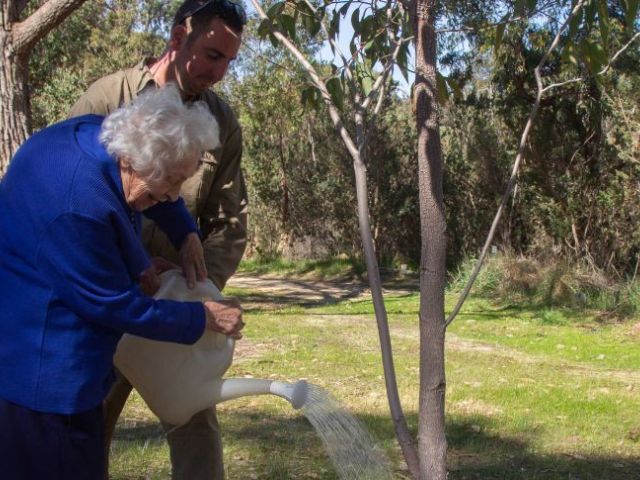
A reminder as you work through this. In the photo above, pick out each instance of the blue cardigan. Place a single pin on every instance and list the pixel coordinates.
(70, 257)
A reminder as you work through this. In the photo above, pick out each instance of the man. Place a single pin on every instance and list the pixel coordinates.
(205, 38)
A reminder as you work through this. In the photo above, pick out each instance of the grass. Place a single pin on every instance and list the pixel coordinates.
(532, 392)
(330, 268)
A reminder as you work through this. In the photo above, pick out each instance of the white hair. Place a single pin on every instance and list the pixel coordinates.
(158, 131)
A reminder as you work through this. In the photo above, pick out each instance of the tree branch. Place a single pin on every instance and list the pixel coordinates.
(51, 14)
(332, 42)
(399, 421)
(516, 165)
(601, 72)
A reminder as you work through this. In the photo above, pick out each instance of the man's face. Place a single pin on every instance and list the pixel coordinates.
(203, 61)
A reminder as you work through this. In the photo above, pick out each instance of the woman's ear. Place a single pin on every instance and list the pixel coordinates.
(178, 37)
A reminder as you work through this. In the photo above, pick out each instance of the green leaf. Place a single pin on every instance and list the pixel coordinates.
(274, 41)
(402, 61)
(594, 55)
(334, 26)
(311, 24)
(443, 91)
(334, 86)
(343, 10)
(355, 20)
(574, 24)
(264, 28)
(309, 97)
(275, 10)
(288, 25)
(518, 9)
(500, 33)
(603, 17)
(631, 12)
(569, 54)
(353, 48)
(366, 82)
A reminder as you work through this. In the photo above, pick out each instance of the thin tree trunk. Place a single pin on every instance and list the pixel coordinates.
(403, 434)
(432, 444)
(407, 444)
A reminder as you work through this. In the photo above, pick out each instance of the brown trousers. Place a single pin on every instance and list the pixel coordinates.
(195, 447)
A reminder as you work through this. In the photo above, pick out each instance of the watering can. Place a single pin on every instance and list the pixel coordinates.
(177, 381)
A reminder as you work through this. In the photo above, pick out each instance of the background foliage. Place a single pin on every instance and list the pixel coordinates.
(578, 191)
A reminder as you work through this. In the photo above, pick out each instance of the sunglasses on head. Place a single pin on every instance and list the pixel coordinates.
(224, 5)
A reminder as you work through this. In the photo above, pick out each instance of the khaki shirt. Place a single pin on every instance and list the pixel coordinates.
(216, 195)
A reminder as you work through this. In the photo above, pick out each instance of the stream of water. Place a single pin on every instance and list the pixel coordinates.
(351, 448)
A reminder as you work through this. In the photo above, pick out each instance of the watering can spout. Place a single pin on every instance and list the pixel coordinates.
(294, 393)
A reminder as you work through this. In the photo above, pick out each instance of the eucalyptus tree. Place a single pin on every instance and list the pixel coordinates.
(380, 42)
(22, 26)
(574, 45)
(380, 30)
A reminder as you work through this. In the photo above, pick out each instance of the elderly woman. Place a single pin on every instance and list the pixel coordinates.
(71, 264)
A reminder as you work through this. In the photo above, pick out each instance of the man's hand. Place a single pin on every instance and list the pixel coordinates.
(225, 316)
(150, 278)
(192, 260)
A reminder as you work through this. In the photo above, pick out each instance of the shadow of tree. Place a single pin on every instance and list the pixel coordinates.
(287, 447)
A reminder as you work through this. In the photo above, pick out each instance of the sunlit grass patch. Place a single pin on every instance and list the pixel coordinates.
(532, 393)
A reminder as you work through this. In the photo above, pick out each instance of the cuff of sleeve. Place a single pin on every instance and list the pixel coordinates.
(181, 230)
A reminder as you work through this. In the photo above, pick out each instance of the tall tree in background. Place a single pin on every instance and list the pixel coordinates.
(18, 36)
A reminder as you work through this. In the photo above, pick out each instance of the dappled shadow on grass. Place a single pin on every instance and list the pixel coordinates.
(307, 298)
(266, 293)
(282, 447)
(476, 454)
(473, 453)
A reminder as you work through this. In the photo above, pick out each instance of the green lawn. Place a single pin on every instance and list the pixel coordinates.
(531, 394)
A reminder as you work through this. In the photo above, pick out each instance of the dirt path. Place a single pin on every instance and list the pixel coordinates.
(274, 292)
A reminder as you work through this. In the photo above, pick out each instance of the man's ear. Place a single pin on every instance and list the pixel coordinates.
(178, 37)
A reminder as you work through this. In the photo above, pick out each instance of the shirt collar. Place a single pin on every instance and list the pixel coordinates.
(144, 79)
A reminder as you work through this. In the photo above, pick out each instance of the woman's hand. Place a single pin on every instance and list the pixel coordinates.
(192, 259)
(225, 316)
(150, 278)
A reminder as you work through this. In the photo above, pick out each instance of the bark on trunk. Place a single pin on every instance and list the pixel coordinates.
(17, 39)
(432, 445)
(14, 106)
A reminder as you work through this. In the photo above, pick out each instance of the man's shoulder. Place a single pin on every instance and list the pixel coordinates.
(114, 80)
(108, 92)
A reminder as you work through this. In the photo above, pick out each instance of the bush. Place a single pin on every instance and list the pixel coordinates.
(525, 280)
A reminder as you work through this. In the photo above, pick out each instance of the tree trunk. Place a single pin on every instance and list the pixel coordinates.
(17, 39)
(432, 444)
(403, 435)
(14, 108)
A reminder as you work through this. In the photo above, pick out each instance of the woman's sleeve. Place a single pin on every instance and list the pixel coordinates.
(174, 219)
(90, 269)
